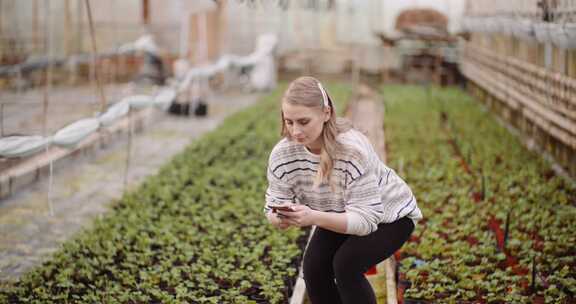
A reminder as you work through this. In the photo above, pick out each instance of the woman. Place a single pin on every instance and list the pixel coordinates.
(330, 176)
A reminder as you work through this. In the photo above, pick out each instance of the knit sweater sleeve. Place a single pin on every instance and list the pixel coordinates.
(364, 209)
(278, 191)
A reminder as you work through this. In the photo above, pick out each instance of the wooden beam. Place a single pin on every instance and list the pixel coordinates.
(67, 28)
(543, 87)
(146, 12)
(97, 68)
(523, 104)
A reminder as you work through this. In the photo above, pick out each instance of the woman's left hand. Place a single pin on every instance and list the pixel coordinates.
(302, 216)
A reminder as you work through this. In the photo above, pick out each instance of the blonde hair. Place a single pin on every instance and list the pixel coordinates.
(307, 91)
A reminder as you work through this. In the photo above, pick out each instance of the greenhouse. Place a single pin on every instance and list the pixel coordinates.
(318, 151)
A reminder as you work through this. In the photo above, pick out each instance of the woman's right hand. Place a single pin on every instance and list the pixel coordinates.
(277, 221)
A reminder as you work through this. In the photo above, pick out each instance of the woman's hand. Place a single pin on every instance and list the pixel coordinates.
(277, 221)
(302, 216)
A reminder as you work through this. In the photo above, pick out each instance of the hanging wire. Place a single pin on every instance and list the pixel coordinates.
(47, 91)
(128, 148)
(128, 151)
(115, 39)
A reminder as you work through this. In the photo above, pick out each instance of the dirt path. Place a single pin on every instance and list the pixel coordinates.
(367, 114)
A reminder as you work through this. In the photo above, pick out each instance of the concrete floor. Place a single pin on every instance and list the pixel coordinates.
(84, 187)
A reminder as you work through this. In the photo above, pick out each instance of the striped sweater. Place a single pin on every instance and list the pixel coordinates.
(367, 190)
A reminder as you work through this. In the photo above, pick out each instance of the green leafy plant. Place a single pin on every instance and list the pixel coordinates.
(466, 169)
(193, 233)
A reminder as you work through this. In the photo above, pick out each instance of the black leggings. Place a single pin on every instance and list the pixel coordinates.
(331, 255)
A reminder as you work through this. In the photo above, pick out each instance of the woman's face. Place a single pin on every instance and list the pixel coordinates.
(305, 123)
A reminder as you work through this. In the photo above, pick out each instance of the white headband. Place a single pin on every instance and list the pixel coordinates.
(324, 96)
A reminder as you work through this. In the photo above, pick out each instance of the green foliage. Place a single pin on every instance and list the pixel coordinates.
(193, 233)
(461, 260)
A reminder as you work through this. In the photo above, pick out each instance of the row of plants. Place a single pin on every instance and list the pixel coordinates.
(532, 210)
(496, 222)
(193, 233)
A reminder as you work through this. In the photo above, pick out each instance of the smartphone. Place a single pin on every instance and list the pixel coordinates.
(277, 208)
(281, 208)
